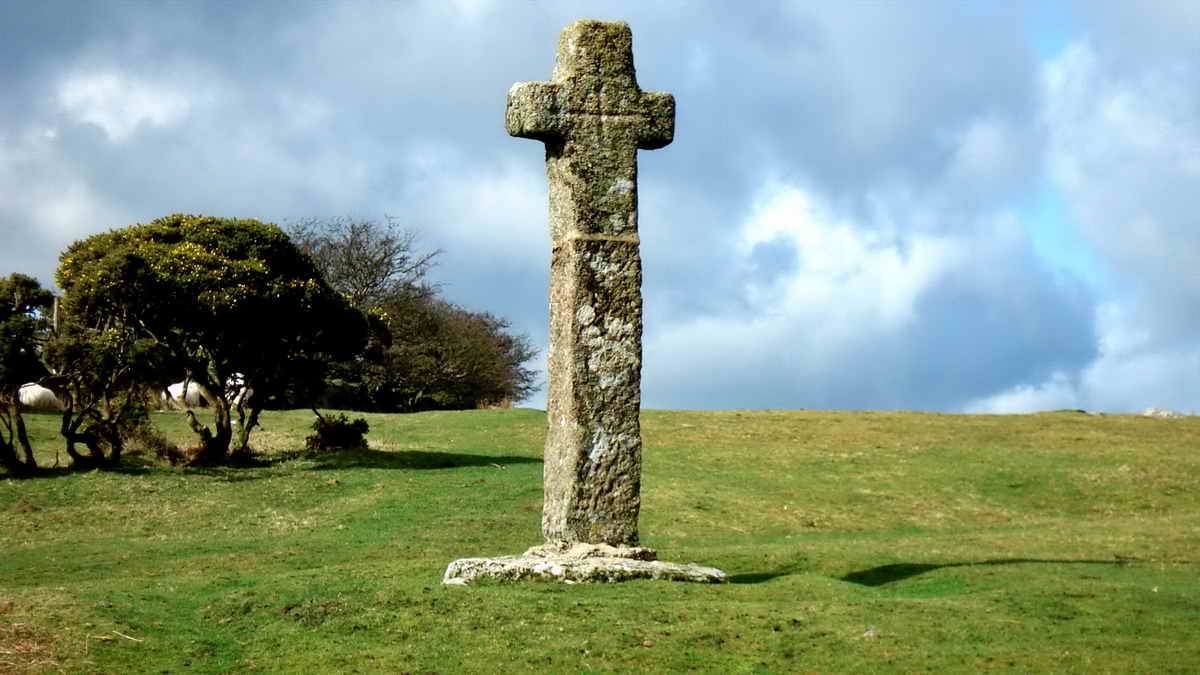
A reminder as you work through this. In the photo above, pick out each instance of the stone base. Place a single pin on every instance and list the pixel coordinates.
(578, 563)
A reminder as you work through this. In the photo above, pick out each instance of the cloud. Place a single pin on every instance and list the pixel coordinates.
(118, 104)
(45, 202)
(873, 319)
(840, 222)
(490, 223)
(1128, 375)
(1124, 152)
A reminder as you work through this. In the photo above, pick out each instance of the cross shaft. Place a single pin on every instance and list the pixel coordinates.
(593, 118)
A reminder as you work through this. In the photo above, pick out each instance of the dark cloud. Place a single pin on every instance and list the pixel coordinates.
(913, 128)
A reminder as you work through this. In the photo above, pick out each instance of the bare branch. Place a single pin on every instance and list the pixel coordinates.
(364, 260)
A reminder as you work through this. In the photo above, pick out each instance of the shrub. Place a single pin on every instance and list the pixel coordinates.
(337, 432)
(147, 440)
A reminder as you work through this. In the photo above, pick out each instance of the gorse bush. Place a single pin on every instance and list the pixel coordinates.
(229, 303)
(337, 432)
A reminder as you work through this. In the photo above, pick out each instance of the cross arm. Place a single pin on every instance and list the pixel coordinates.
(659, 128)
(535, 111)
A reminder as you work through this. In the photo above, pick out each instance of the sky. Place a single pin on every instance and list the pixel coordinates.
(949, 206)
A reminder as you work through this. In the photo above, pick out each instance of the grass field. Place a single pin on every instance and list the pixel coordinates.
(855, 542)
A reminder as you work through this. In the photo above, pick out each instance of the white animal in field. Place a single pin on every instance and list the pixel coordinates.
(193, 397)
(188, 398)
(36, 397)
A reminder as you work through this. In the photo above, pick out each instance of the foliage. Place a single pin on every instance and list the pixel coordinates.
(445, 357)
(230, 302)
(855, 542)
(104, 378)
(426, 353)
(23, 304)
(337, 432)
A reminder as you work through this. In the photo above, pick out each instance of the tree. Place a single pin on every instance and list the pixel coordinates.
(426, 353)
(230, 303)
(101, 376)
(365, 261)
(23, 304)
(445, 357)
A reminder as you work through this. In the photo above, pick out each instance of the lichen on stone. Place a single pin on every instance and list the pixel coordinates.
(593, 118)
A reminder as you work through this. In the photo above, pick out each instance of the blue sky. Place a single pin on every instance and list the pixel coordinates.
(950, 206)
(1050, 27)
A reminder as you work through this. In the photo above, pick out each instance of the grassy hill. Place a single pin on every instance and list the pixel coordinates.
(856, 542)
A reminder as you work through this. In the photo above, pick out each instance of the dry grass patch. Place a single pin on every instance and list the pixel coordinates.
(41, 631)
(24, 648)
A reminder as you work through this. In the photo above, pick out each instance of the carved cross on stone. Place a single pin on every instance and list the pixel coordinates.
(593, 119)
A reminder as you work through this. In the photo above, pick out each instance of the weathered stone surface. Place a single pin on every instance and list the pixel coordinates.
(580, 551)
(593, 118)
(578, 563)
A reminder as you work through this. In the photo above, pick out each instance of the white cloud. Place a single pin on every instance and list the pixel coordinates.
(67, 210)
(870, 316)
(47, 201)
(1126, 153)
(1124, 149)
(499, 211)
(119, 103)
(986, 151)
(1058, 392)
(845, 273)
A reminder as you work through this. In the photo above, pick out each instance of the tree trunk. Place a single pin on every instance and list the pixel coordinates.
(247, 424)
(214, 448)
(68, 430)
(8, 449)
(8, 459)
(224, 430)
(8, 456)
(115, 445)
(23, 437)
(214, 444)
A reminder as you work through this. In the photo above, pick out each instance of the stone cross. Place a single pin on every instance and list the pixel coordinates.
(593, 119)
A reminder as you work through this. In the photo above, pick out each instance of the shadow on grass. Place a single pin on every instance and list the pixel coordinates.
(355, 459)
(886, 574)
(760, 577)
(410, 459)
(60, 471)
(251, 468)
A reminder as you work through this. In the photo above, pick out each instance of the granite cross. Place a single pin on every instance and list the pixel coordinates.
(593, 118)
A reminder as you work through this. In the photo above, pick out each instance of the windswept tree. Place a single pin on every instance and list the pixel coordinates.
(230, 303)
(23, 305)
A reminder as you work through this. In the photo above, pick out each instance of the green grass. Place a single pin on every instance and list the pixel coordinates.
(855, 542)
